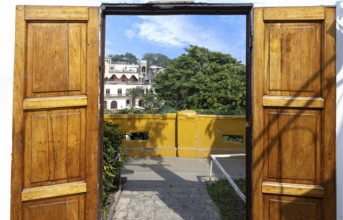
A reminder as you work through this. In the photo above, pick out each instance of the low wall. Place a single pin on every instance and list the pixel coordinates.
(161, 130)
(184, 134)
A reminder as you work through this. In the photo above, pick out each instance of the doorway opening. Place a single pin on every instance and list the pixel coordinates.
(132, 73)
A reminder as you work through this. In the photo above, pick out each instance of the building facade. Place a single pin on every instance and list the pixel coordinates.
(121, 77)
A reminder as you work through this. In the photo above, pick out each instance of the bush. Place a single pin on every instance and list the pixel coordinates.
(113, 138)
(224, 196)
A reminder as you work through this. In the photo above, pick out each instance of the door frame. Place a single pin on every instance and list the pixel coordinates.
(189, 9)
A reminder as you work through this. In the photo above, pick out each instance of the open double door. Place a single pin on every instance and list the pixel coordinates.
(55, 167)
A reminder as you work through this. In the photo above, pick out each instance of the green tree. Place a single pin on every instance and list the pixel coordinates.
(127, 58)
(134, 93)
(156, 59)
(150, 101)
(203, 80)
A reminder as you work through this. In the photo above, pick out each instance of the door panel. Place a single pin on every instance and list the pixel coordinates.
(55, 119)
(294, 112)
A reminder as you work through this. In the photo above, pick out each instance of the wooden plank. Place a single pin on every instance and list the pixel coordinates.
(58, 158)
(293, 189)
(92, 129)
(293, 13)
(39, 154)
(275, 74)
(297, 102)
(44, 192)
(329, 93)
(48, 49)
(257, 90)
(74, 143)
(18, 114)
(56, 13)
(54, 102)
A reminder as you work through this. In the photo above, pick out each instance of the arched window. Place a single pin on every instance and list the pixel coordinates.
(143, 69)
(140, 103)
(114, 105)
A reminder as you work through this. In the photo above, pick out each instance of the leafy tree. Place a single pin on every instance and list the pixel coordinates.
(150, 101)
(127, 58)
(201, 79)
(134, 93)
(156, 59)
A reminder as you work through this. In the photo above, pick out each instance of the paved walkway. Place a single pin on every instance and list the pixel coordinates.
(169, 188)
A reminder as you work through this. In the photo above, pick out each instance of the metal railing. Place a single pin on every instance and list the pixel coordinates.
(228, 177)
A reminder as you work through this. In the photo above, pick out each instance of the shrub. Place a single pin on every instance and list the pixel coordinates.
(113, 138)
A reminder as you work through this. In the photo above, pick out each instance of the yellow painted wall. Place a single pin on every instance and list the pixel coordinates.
(202, 135)
(161, 129)
(184, 134)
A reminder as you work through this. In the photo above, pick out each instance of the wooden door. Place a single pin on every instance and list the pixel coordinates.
(294, 114)
(55, 113)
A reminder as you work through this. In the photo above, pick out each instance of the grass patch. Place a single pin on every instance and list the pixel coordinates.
(230, 204)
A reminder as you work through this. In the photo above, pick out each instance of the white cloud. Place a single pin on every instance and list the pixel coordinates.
(175, 31)
(178, 32)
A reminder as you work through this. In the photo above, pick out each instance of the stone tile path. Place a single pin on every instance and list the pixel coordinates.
(167, 188)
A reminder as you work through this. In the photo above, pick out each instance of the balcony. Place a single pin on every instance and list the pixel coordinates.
(115, 95)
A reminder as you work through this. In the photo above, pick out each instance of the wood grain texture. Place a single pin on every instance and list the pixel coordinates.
(290, 138)
(57, 208)
(293, 50)
(285, 207)
(55, 125)
(56, 62)
(56, 13)
(18, 114)
(257, 129)
(297, 102)
(92, 162)
(293, 139)
(54, 102)
(329, 93)
(293, 189)
(44, 192)
(293, 13)
(54, 147)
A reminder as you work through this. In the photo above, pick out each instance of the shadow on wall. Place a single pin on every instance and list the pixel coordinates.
(339, 106)
(157, 130)
(184, 134)
(290, 148)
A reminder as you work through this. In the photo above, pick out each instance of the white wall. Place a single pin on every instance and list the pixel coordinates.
(7, 25)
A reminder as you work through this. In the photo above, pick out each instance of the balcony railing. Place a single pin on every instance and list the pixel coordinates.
(116, 95)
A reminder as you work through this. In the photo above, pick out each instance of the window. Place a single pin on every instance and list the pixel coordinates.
(119, 92)
(108, 91)
(127, 102)
(114, 105)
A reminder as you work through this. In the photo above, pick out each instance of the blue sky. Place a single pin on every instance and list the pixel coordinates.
(170, 35)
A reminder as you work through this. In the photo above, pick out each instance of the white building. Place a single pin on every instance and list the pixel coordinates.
(120, 77)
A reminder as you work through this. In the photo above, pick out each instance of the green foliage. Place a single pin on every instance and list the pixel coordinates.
(108, 112)
(156, 59)
(134, 93)
(151, 101)
(127, 58)
(113, 138)
(230, 204)
(201, 79)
